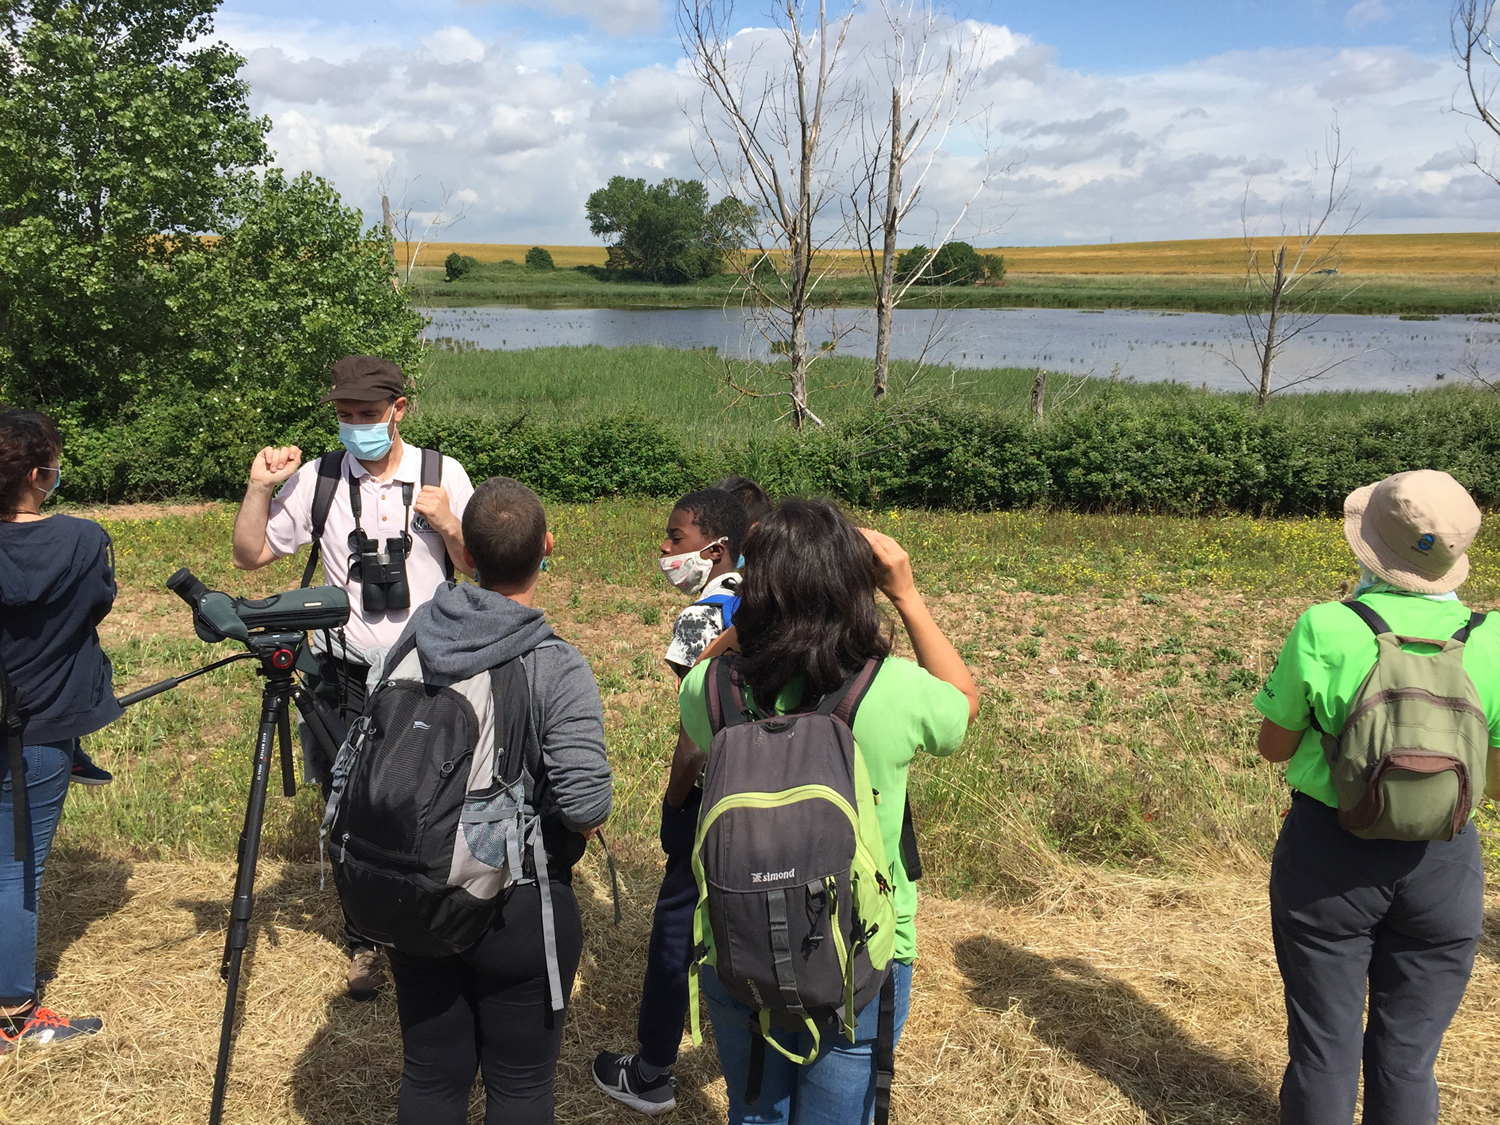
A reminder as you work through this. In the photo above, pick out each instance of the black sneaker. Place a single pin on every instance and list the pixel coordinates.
(619, 1076)
(85, 772)
(43, 1025)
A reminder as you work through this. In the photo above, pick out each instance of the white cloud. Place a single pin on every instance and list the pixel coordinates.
(618, 17)
(454, 45)
(527, 131)
(1365, 13)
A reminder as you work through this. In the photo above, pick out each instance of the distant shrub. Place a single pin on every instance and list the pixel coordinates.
(539, 258)
(993, 266)
(1188, 456)
(955, 263)
(455, 265)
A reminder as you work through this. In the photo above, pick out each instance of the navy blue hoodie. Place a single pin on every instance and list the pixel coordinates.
(57, 582)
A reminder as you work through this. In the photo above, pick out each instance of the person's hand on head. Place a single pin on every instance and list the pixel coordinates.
(432, 502)
(893, 564)
(274, 464)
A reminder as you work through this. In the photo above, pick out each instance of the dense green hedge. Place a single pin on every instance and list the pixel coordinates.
(1195, 455)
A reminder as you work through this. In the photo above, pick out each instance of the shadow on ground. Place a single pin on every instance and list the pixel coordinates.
(78, 889)
(1117, 1033)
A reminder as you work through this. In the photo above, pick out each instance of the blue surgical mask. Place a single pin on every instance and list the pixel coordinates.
(56, 481)
(367, 443)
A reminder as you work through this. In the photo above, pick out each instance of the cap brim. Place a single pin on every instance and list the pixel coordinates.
(363, 394)
(1384, 563)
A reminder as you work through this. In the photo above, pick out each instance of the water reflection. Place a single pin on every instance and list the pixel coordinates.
(1372, 352)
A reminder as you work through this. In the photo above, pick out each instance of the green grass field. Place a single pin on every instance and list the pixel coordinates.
(690, 389)
(589, 287)
(1118, 656)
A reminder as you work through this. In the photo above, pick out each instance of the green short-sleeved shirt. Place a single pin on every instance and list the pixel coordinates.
(1331, 651)
(907, 709)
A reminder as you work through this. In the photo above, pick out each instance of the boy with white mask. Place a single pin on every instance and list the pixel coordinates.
(376, 493)
(698, 556)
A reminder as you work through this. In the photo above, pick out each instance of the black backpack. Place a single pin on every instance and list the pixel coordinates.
(12, 726)
(429, 821)
(330, 472)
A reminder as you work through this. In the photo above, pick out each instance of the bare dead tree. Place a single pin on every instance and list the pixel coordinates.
(768, 131)
(1475, 51)
(1290, 283)
(411, 224)
(931, 67)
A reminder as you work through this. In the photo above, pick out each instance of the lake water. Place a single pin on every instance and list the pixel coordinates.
(1371, 352)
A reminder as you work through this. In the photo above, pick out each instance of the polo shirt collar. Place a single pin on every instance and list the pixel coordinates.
(408, 471)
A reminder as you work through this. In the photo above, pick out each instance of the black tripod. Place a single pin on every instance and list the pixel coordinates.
(277, 653)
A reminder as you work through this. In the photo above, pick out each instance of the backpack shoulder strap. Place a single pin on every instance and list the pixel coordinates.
(725, 603)
(726, 695)
(330, 468)
(843, 702)
(1369, 617)
(1476, 619)
(432, 477)
(510, 696)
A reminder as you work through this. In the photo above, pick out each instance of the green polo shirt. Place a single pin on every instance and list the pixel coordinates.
(906, 710)
(1331, 651)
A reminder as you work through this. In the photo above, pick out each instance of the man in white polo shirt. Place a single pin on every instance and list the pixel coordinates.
(381, 478)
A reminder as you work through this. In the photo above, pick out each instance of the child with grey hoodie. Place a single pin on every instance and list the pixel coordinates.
(488, 1009)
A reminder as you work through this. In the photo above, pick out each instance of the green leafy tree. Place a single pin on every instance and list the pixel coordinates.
(539, 258)
(955, 263)
(293, 285)
(666, 232)
(123, 136)
(455, 265)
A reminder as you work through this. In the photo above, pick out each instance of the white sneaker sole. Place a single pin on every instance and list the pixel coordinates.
(625, 1097)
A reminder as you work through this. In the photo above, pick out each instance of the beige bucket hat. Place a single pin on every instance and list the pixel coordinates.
(1413, 530)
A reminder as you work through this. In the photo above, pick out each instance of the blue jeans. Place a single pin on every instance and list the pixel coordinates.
(838, 1088)
(49, 768)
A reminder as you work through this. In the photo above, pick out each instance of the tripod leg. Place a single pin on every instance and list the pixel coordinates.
(288, 773)
(272, 716)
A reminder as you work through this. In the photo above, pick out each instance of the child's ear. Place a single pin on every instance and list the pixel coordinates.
(467, 559)
(547, 548)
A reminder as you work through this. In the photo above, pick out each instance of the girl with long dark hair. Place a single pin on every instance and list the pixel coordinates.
(807, 622)
(57, 582)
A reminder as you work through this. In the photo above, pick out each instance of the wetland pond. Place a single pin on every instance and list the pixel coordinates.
(1371, 353)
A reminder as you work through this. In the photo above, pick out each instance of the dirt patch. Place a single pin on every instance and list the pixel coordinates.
(142, 511)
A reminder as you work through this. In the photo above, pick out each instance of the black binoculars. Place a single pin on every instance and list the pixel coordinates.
(381, 574)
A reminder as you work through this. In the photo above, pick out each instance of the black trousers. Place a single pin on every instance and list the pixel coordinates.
(1398, 920)
(664, 992)
(341, 686)
(487, 1011)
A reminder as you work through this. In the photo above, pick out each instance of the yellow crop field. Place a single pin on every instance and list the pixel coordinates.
(1410, 254)
(565, 257)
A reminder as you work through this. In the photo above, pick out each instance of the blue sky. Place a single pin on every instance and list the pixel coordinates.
(1119, 120)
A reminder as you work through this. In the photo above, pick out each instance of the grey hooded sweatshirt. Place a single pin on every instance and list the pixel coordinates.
(465, 630)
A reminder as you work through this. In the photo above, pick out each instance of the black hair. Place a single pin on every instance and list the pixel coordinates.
(28, 440)
(747, 492)
(718, 514)
(807, 602)
(505, 529)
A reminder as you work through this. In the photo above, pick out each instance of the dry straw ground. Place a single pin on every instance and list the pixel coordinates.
(1112, 966)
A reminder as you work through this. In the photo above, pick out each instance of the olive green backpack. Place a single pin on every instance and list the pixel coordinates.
(1409, 763)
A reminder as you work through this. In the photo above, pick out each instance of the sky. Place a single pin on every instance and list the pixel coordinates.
(1088, 120)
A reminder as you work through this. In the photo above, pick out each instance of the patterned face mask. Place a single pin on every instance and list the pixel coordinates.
(689, 570)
